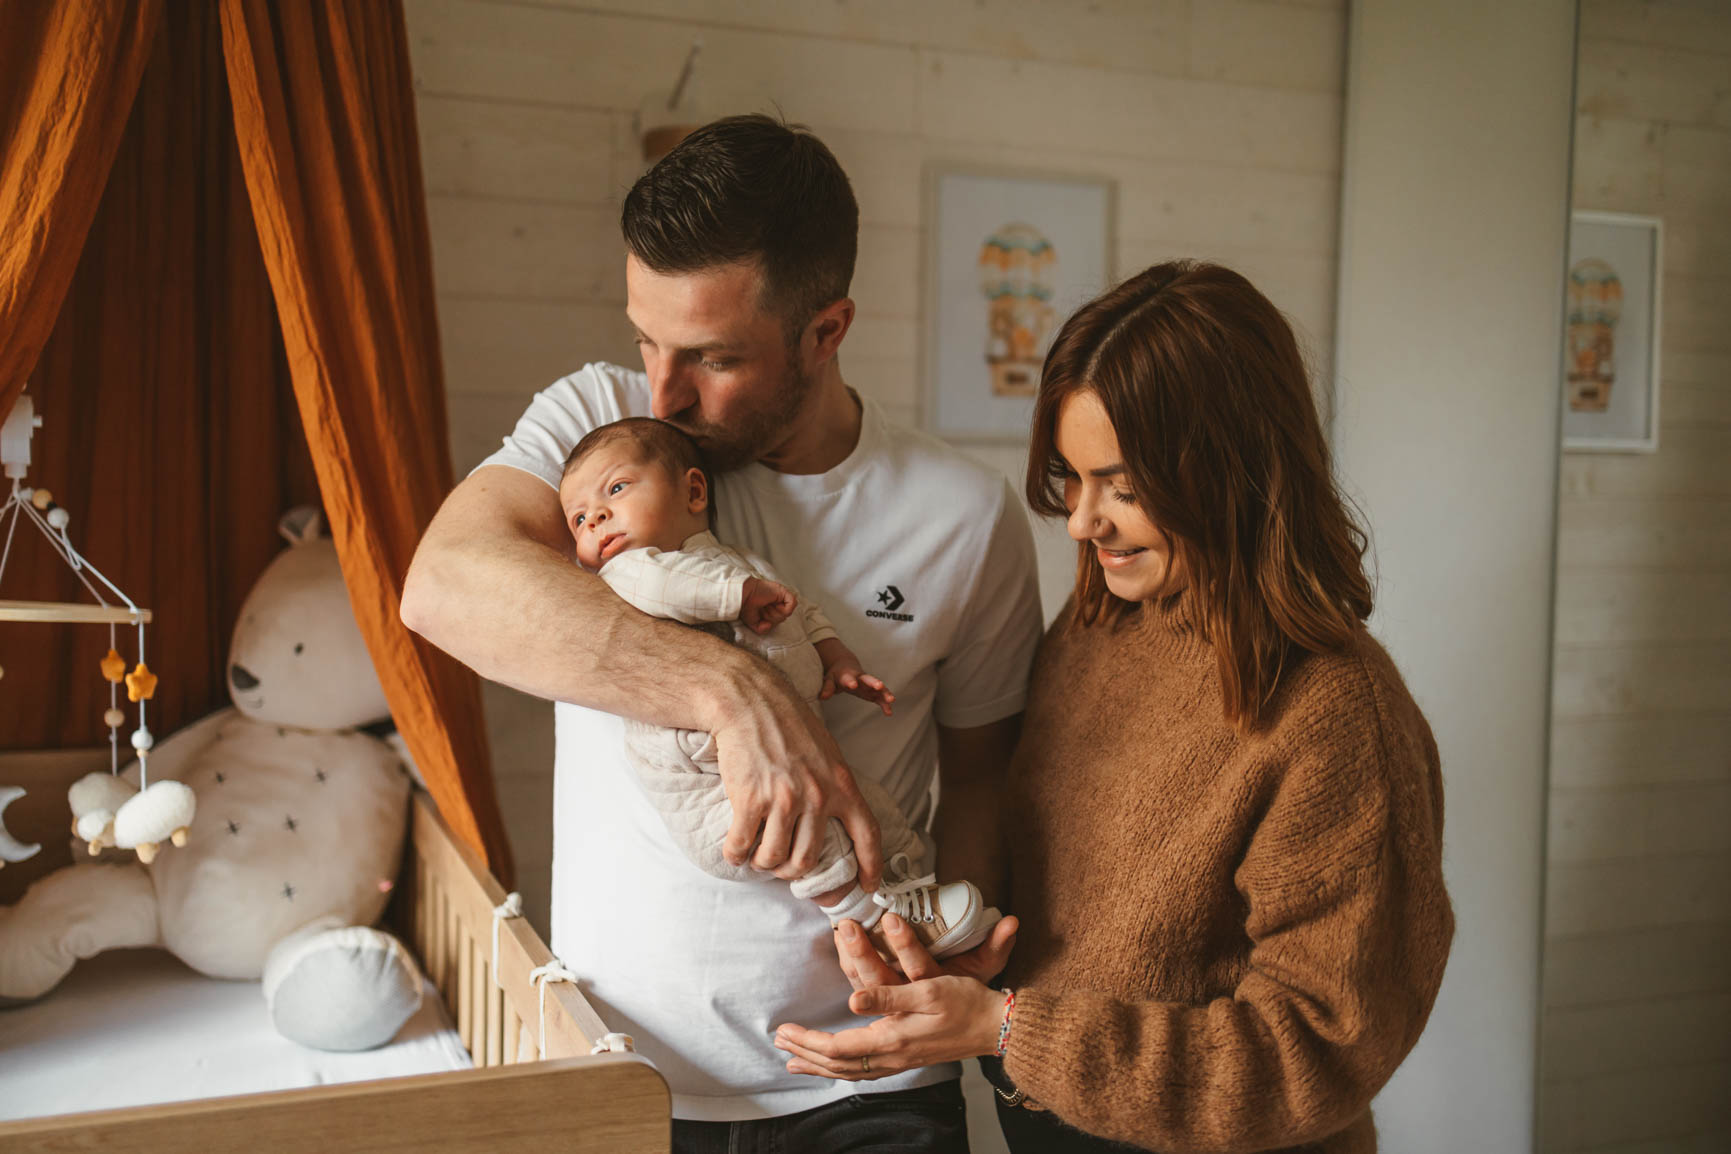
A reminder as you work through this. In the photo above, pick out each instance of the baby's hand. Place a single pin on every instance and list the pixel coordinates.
(845, 675)
(763, 604)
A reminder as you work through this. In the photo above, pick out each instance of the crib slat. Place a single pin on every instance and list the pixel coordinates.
(513, 1033)
(495, 1021)
(478, 983)
(465, 992)
(418, 912)
(453, 940)
(435, 966)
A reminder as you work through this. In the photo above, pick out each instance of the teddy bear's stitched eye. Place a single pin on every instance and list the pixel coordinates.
(298, 647)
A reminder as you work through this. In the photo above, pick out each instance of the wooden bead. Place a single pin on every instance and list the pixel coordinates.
(141, 739)
(42, 498)
(58, 518)
(113, 718)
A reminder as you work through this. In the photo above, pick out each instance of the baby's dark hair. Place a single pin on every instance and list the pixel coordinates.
(658, 441)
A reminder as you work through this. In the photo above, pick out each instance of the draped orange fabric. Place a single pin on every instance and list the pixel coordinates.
(324, 112)
(68, 72)
(170, 433)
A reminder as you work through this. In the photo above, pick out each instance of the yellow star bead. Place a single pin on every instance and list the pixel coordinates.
(114, 667)
(140, 683)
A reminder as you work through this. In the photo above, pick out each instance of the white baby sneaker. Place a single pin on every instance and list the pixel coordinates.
(948, 919)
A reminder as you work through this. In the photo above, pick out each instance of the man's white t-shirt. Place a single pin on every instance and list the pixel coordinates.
(924, 562)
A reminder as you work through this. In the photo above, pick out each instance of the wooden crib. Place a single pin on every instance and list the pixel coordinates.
(518, 1096)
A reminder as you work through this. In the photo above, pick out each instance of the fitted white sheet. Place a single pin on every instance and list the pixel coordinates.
(136, 1027)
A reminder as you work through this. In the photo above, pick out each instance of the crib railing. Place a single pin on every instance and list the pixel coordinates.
(451, 924)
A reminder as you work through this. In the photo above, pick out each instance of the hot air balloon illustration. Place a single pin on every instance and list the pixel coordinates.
(1017, 264)
(1595, 304)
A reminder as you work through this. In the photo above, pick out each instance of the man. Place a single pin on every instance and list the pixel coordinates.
(740, 249)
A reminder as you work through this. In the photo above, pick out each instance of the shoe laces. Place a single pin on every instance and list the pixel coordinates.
(911, 900)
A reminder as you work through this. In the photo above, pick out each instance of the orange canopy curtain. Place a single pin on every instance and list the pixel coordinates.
(170, 432)
(68, 72)
(324, 112)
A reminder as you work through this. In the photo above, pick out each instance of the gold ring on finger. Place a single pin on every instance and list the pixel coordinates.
(865, 1064)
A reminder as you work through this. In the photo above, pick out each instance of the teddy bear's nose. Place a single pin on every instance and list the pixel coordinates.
(242, 678)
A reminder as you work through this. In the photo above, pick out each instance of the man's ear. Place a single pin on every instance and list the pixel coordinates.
(697, 491)
(823, 336)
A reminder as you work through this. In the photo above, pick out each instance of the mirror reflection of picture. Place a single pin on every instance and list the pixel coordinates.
(1611, 341)
(1009, 256)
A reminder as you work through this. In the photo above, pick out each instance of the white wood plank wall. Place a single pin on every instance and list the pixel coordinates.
(1220, 121)
(1636, 1049)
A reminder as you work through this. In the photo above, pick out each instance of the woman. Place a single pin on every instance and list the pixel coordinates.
(1226, 811)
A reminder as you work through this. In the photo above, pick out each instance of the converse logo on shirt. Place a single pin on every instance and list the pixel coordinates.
(891, 599)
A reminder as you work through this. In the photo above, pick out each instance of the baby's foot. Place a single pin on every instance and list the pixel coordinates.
(947, 919)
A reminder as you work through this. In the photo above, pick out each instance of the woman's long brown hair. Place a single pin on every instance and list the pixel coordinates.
(1208, 394)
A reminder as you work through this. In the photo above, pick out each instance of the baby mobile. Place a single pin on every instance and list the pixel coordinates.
(107, 809)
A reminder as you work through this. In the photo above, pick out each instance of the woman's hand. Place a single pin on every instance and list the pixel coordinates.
(866, 968)
(934, 1012)
(942, 1019)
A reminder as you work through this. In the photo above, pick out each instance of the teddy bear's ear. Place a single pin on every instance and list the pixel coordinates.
(300, 525)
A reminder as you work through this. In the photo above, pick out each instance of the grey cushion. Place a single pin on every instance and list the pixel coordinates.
(342, 989)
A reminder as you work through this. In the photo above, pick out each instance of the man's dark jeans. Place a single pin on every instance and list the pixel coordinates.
(929, 1120)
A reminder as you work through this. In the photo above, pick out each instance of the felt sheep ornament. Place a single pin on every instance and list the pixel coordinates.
(298, 830)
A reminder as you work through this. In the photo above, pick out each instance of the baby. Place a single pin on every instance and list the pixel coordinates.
(637, 500)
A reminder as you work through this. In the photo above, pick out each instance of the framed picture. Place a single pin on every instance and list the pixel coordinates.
(1611, 335)
(1009, 256)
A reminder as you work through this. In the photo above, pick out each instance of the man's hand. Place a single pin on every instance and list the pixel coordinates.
(785, 777)
(764, 604)
(842, 673)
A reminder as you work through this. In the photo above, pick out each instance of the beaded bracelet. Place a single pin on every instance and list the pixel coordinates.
(1004, 1029)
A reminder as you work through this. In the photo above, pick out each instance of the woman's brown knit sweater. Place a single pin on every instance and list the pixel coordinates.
(1228, 942)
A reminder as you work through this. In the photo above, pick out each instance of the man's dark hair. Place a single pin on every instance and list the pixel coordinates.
(750, 188)
(658, 442)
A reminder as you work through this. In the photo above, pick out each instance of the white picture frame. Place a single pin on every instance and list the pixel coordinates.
(1052, 236)
(1610, 370)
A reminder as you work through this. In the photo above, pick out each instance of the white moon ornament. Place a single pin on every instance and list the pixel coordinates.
(11, 849)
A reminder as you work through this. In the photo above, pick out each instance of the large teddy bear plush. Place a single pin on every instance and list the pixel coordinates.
(299, 827)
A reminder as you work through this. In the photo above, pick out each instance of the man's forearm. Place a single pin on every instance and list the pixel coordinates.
(494, 585)
(519, 612)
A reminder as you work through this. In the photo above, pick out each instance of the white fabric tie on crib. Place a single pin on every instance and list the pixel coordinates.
(553, 971)
(511, 907)
(614, 1043)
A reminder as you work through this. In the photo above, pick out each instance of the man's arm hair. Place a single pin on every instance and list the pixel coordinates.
(493, 584)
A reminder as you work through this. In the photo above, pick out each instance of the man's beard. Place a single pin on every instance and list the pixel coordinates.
(755, 434)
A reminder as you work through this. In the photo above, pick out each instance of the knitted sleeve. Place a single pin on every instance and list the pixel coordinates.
(1341, 880)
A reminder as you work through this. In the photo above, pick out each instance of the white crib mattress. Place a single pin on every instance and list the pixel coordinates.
(136, 1027)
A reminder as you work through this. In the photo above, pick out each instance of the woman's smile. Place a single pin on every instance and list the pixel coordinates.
(1118, 558)
(1134, 555)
